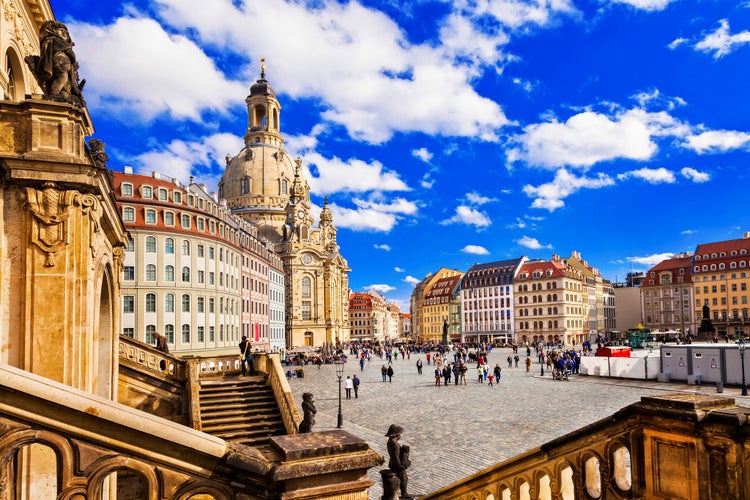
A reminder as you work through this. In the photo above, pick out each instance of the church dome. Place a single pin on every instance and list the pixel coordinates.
(262, 87)
(259, 177)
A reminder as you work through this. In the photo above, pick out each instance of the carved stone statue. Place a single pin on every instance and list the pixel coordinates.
(309, 411)
(398, 461)
(56, 67)
(96, 148)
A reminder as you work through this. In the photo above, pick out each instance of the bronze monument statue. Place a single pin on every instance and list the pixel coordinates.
(56, 67)
(398, 462)
(309, 411)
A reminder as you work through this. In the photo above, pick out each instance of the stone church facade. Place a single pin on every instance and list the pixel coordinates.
(266, 187)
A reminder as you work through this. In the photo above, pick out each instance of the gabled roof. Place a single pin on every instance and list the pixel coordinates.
(673, 265)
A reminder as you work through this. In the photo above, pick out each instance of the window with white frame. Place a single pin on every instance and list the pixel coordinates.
(128, 214)
(126, 189)
(150, 217)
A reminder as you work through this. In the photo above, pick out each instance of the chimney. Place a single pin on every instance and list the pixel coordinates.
(156, 175)
(745, 236)
(127, 169)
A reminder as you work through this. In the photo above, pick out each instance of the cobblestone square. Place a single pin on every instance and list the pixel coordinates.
(455, 431)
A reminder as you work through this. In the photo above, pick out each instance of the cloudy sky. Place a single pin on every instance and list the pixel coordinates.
(448, 132)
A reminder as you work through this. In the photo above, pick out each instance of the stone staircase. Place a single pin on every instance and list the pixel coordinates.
(241, 409)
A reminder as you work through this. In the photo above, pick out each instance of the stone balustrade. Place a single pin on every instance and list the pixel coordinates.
(677, 446)
(80, 445)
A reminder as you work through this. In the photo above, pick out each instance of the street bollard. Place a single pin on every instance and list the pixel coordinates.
(719, 387)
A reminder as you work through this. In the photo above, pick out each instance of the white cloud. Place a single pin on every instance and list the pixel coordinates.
(475, 250)
(469, 216)
(371, 215)
(717, 141)
(333, 175)
(651, 260)
(412, 280)
(550, 196)
(695, 175)
(422, 153)
(647, 5)
(721, 42)
(519, 224)
(520, 13)
(387, 248)
(181, 159)
(477, 199)
(589, 137)
(650, 175)
(382, 288)
(396, 78)
(689, 231)
(399, 270)
(134, 66)
(531, 243)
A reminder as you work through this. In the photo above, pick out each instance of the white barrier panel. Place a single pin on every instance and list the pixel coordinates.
(630, 368)
(595, 366)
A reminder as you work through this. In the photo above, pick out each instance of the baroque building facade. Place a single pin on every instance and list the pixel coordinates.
(667, 296)
(487, 313)
(263, 185)
(193, 271)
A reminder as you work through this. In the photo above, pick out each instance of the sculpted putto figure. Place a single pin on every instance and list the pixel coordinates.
(56, 67)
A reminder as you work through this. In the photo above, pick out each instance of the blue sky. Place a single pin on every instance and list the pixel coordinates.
(448, 132)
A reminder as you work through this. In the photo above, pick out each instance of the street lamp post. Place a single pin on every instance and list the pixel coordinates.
(742, 361)
(339, 373)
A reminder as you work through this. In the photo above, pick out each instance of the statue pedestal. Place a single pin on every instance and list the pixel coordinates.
(391, 484)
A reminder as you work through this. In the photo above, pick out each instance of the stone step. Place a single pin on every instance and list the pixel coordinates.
(241, 409)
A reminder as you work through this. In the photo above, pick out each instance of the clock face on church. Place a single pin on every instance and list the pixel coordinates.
(306, 259)
(301, 214)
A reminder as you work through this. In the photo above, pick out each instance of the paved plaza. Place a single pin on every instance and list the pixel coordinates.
(455, 431)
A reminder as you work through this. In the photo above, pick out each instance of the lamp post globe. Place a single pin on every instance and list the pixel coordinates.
(339, 364)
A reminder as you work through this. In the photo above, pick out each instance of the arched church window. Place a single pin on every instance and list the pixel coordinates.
(246, 185)
(303, 232)
(275, 119)
(306, 287)
(11, 78)
(284, 188)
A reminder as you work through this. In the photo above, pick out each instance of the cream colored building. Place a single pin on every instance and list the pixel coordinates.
(266, 187)
(193, 271)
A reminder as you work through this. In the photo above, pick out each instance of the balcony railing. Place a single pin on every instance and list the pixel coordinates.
(678, 446)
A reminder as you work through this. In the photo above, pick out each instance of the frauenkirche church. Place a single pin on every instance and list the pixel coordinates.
(266, 187)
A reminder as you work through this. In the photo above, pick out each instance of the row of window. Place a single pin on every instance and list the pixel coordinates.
(128, 274)
(225, 307)
(720, 266)
(169, 331)
(714, 255)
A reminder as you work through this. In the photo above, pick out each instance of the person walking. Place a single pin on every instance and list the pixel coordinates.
(247, 357)
(463, 369)
(419, 366)
(497, 372)
(447, 374)
(384, 372)
(348, 385)
(480, 374)
(390, 373)
(362, 364)
(438, 376)
(355, 384)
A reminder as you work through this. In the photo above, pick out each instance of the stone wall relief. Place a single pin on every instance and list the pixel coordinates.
(50, 209)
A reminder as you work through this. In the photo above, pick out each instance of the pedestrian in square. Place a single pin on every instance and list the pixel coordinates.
(348, 385)
(355, 384)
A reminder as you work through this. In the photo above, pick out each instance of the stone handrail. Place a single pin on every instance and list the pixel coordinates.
(80, 445)
(151, 359)
(270, 364)
(677, 446)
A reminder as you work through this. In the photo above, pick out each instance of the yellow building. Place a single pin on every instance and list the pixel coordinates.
(266, 187)
(435, 304)
(721, 277)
